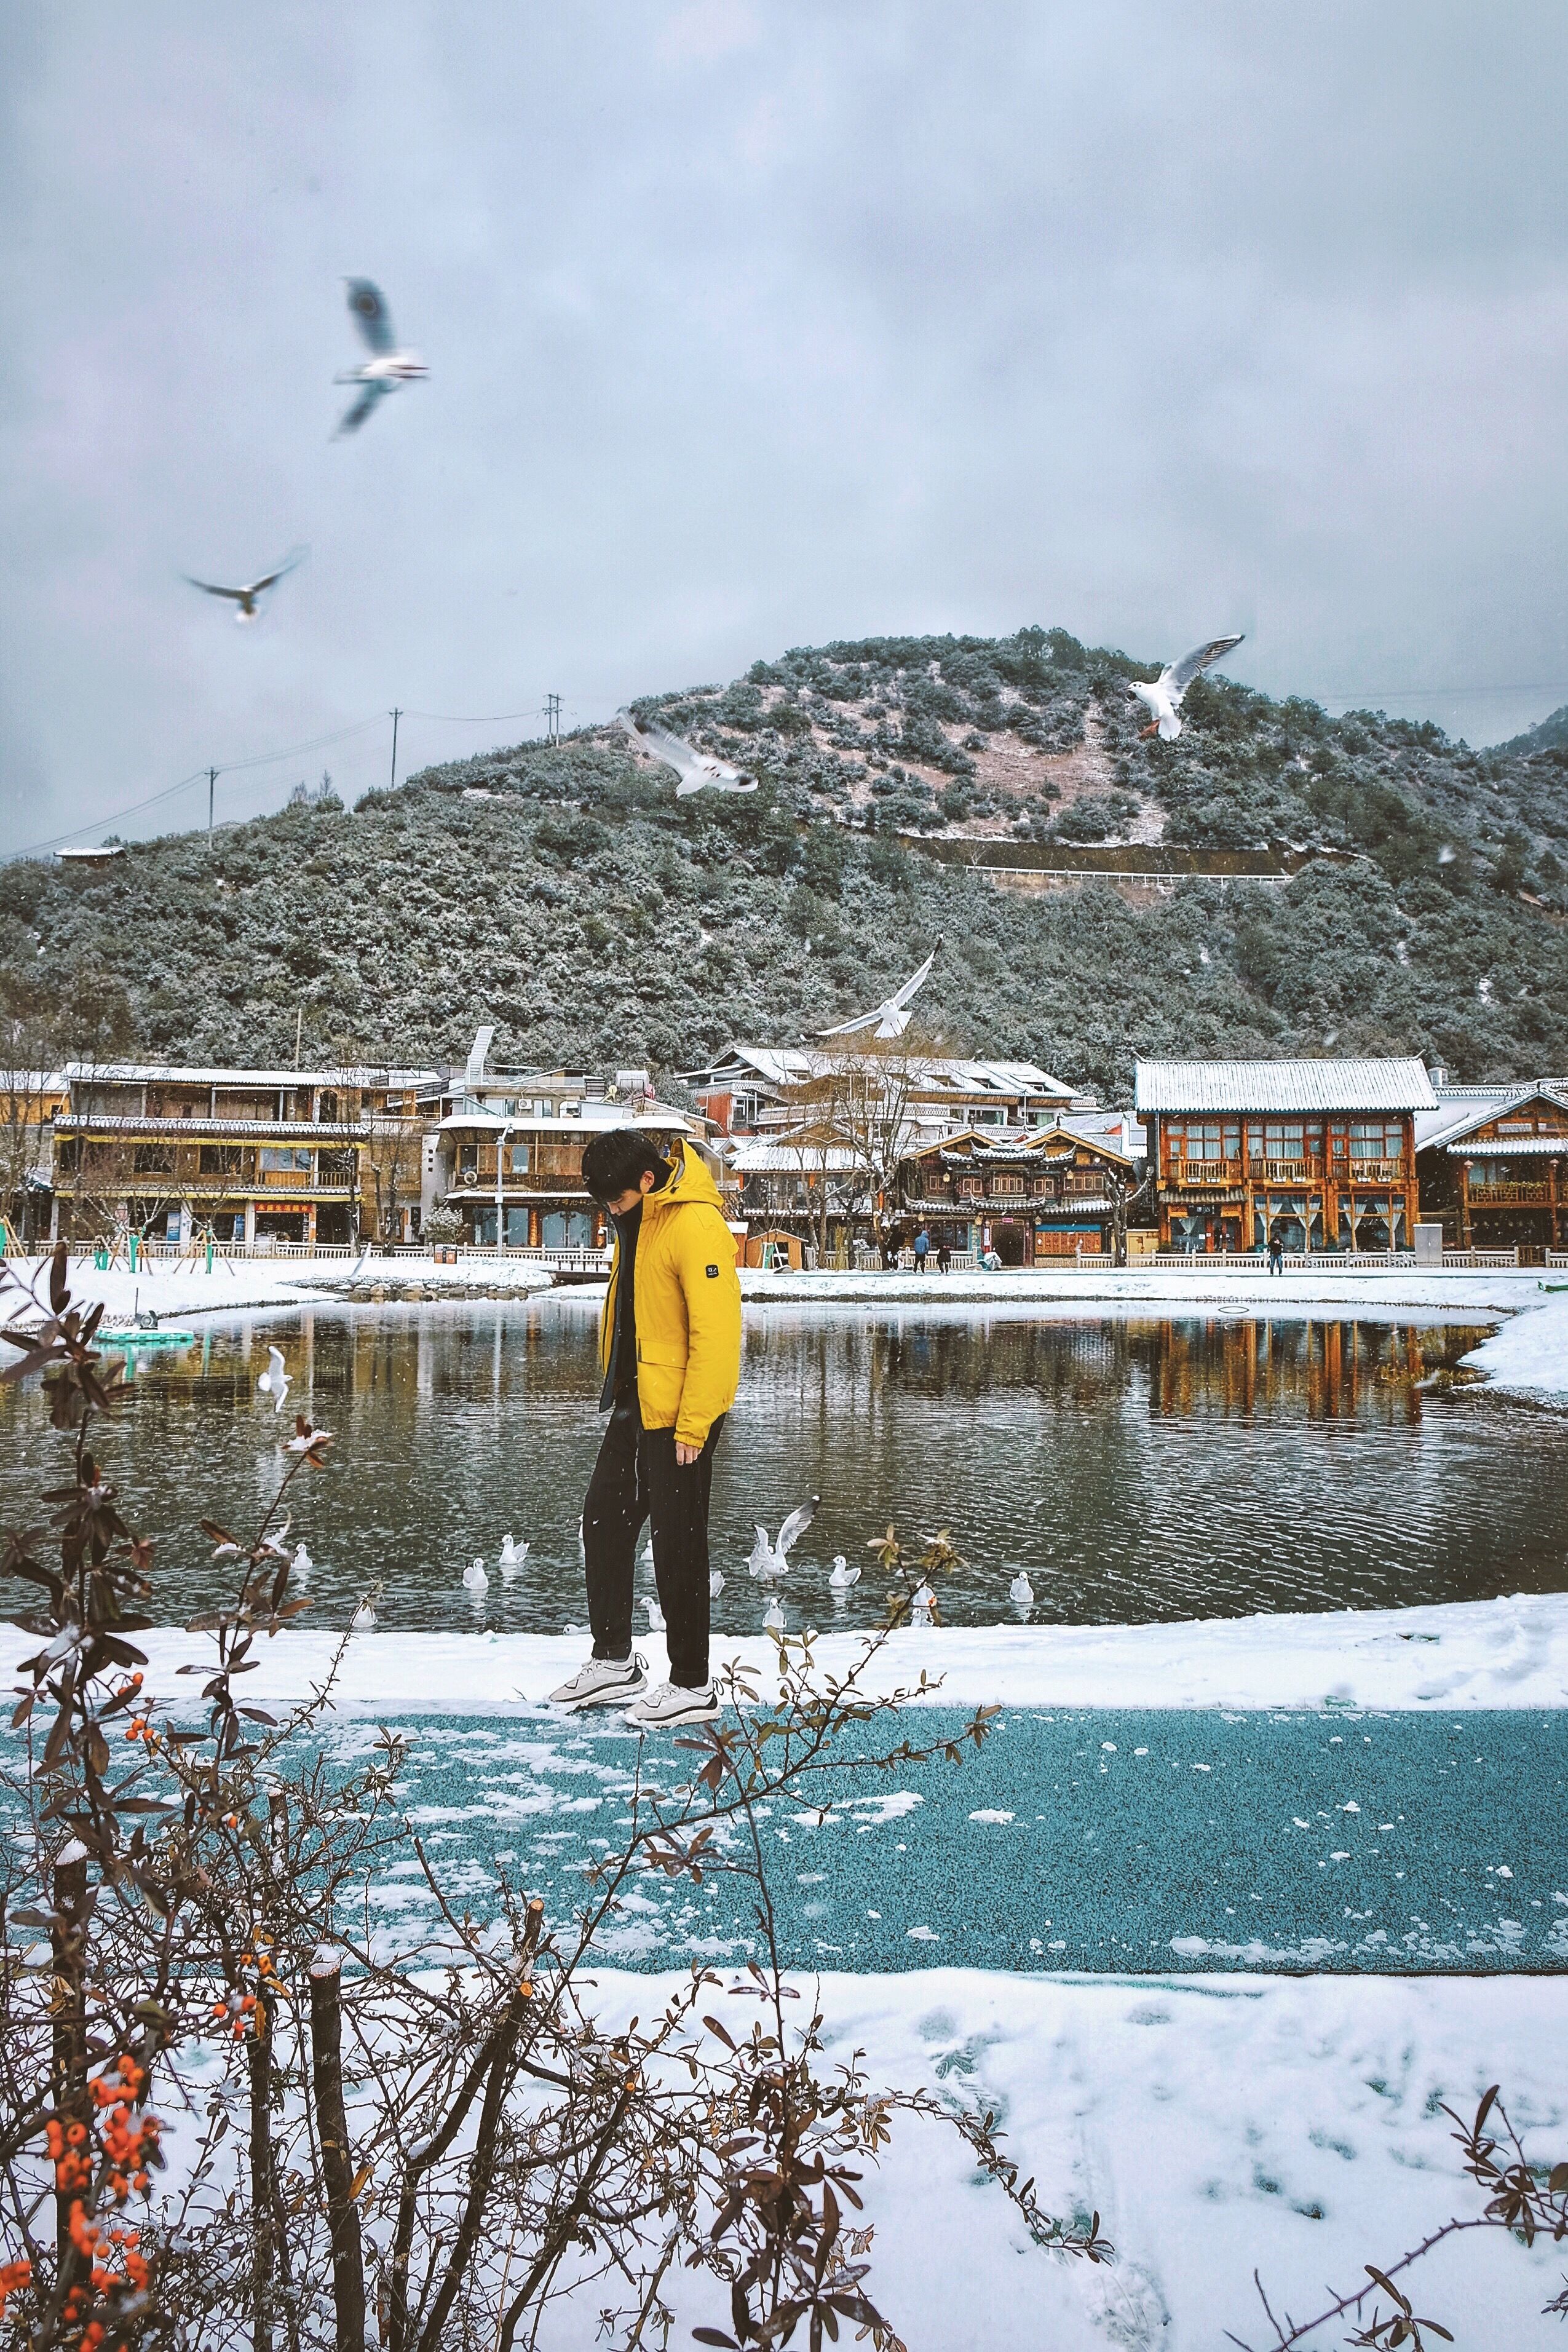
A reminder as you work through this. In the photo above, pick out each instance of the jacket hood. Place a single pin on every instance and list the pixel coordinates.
(691, 1182)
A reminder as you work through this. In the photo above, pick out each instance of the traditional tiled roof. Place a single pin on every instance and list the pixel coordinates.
(1400, 1084)
(1456, 1120)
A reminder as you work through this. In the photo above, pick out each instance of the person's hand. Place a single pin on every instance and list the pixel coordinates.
(685, 1455)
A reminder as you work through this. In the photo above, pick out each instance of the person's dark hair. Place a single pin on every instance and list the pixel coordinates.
(617, 1162)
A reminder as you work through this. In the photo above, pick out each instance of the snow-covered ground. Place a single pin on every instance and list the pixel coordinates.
(1218, 2126)
(187, 1287)
(1529, 1357)
(1486, 1293)
(1478, 1653)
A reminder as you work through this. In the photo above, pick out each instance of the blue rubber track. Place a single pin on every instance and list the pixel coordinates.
(1128, 1843)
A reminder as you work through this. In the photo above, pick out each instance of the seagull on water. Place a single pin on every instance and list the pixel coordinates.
(302, 1563)
(388, 367)
(768, 1560)
(246, 598)
(1021, 1592)
(1164, 698)
(474, 1577)
(274, 1382)
(843, 1575)
(655, 1615)
(773, 1617)
(512, 1556)
(363, 1618)
(697, 770)
(715, 1582)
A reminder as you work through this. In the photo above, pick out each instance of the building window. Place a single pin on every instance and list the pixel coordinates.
(1006, 1187)
(517, 1158)
(283, 1160)
(1376, 1139)
(220, 1160)
(154, 1159)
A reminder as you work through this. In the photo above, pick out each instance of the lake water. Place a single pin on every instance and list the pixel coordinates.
(1137, 1465)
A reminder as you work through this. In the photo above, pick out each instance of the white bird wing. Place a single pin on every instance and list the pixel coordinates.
(1176, 677)
(795, 1526)
(275, 1363)
(354, 418)
(917, 980)
(292, 562)
(209, 588)
(762, 1551)
(695, 769)
(367, 308)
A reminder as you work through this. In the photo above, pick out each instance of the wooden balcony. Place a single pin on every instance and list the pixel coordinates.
(1376, 1172)
(1205, 1171)
(1509, 1196)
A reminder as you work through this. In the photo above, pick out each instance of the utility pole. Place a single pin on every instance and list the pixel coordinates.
(553, 719)
(394, 716)
(212, 783)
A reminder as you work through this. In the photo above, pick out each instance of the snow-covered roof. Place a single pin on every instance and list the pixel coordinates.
(141, 1073)
(1510, 1146)
(787, 1066)
(1453, 1121)
(775, 1158)
(597, 1117)
(1398, 1083)
(1029, 1143)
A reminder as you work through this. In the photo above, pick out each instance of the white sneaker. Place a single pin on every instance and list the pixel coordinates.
(604, 1682)
(669, 1704)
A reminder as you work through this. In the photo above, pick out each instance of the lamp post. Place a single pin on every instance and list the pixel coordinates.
(500, 1187)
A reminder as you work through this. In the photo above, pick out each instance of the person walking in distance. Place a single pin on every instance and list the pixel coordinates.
(670, 1363)
(1276, 1250)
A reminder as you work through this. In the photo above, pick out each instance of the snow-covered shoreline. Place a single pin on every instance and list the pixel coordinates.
(231, 1286)
(1529, 1357)
(1455, 1656)
(1498, 1290)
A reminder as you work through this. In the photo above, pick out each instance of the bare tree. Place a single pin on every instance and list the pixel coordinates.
(858, 1094)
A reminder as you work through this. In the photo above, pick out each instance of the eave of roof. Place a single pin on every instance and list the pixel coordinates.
(1396, 1084)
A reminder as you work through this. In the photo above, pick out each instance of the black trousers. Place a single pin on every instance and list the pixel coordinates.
(637, 1477)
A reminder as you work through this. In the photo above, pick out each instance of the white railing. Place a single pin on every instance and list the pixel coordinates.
(1474, 1261)
(1557, 1260)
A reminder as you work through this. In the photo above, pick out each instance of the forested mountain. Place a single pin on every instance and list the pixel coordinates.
(563, 893)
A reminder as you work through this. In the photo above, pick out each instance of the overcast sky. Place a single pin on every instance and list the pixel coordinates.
(753, 323)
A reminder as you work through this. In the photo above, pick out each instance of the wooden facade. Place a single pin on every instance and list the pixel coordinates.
(506, 1152)
(1247, 1153)
(180, 1155)
(1032, 1198)
(1499, 1180)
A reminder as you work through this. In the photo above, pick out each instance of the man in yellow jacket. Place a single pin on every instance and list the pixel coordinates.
(670, 1362)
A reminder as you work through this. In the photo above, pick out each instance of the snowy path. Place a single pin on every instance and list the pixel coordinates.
(1529, 1357)
(1458, 1655)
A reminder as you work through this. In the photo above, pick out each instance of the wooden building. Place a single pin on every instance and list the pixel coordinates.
(253, 1156)
(504, 1149)
(1319, 1154)
(1493, 1170)
(1030, 1198)
(759, 1089)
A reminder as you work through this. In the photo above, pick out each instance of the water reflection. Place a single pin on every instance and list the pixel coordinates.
(1135, 1465)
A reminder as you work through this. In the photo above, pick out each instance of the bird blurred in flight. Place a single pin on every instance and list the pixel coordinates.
(388, 367)
(698, 771)
(246, 600)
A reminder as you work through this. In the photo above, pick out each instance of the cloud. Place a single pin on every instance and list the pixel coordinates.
(754, 325)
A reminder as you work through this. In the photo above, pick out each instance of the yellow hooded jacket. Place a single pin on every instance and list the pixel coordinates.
(688, 1302)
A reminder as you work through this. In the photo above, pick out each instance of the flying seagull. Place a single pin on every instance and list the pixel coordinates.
(769, 1560)
(275, 1380)
(388, 367)
(1164, 698)
(697, 770)
(246, 598)
(891, 1017)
